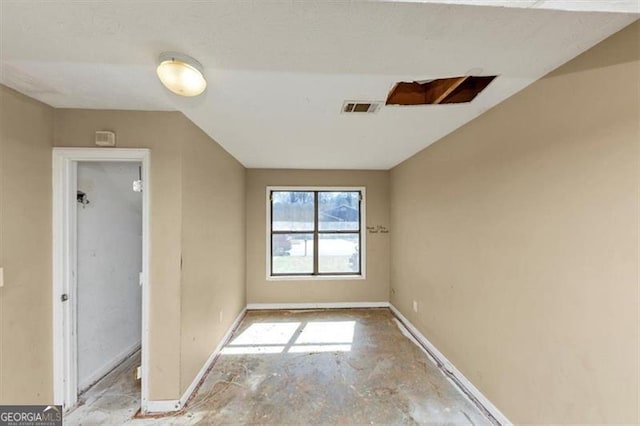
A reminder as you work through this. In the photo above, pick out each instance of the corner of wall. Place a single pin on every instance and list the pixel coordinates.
(213, 285)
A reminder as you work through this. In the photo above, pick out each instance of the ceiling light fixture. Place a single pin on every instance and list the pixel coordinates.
(181, 74)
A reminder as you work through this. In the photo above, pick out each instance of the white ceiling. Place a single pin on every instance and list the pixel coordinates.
(279, 71)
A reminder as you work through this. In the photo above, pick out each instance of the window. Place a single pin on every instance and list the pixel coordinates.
(315, 232)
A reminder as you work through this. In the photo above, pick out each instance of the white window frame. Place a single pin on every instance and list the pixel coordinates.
(363, 234)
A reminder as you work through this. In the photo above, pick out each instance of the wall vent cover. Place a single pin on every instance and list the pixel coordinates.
(361, 106)
(105, 138)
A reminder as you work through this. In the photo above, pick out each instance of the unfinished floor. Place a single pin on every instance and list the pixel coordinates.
(113, 400)
(351, 366)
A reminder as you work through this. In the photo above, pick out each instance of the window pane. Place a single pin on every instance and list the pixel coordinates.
(338, 211)
(292, 211)
(338, 253)
(292, 253)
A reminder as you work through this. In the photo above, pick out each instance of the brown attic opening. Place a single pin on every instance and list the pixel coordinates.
(454, 90)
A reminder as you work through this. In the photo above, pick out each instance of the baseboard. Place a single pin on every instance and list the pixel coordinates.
(171, 405)
(167, 406)
(162, 406)
(106, 369)
(452, 372)
(330, 305)
(196, 382)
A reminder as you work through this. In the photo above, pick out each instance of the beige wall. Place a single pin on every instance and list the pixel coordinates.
(518, 235)
(163, 133)
(213, 248)
(374, 288)
(26, 129)
(192, 180)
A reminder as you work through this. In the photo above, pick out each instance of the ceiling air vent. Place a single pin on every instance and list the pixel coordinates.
(360, 106)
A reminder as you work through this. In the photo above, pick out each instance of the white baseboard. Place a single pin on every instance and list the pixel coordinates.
(167, 406)
(196, 381)
(452, 372)
(162, 406)
(330, 305)
(106, 368)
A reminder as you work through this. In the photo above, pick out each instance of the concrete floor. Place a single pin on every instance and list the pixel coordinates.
(351, 366)
(113, 400)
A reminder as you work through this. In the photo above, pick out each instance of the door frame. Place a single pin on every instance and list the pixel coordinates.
(64, 227)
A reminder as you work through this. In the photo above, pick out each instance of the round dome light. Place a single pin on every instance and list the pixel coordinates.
(181, 74)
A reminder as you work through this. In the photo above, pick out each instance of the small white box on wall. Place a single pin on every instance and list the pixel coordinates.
(105, 138)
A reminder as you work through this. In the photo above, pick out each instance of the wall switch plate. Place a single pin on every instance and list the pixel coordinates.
(415, 306)
(1, 277)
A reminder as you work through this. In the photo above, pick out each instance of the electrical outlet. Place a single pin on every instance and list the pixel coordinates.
(1, 277)
(415, 306)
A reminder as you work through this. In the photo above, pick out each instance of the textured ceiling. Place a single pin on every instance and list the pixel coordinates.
(279, 71)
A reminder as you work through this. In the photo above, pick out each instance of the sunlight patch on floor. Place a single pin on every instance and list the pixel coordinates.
(293, 337)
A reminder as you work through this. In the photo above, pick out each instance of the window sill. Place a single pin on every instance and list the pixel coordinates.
(316, 278)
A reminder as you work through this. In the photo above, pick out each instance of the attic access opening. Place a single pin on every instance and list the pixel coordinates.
(454, 90)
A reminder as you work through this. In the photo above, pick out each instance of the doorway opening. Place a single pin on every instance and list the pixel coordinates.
(100, 300)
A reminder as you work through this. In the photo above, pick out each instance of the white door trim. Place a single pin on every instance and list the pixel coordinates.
(65, 262)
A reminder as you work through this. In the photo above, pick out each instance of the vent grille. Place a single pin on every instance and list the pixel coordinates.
(105, 138)
(360, 107)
